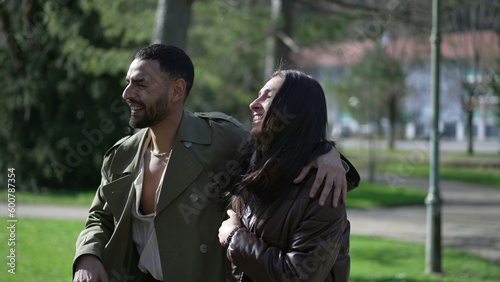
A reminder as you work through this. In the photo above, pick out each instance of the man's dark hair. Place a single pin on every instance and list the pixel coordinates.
(174, 62)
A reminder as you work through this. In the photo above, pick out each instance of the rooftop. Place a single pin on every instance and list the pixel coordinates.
(453, 46)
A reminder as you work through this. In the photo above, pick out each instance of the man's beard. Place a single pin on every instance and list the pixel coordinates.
(158, 112)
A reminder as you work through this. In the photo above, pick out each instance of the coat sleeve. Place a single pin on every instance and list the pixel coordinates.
(352, 176)
(310, 256)
(100, 223)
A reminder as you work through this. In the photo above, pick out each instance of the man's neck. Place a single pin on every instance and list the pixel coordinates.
(163, 133)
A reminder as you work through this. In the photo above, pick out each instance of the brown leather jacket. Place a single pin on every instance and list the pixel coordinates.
(300, 241)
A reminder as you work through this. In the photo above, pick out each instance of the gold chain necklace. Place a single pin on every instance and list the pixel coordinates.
(160, 154)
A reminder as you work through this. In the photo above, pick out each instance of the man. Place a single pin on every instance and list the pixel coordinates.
(156, 213)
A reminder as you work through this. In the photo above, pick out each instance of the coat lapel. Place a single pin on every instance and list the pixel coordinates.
(124, 168)
(182, 171)
(128, 155)
(183, 167)
(119, 194)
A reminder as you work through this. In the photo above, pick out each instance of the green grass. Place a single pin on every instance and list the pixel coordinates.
(370, 195)
(375, 259)
(72, 198)
(476, 175)
(478, 169)
(45, 249)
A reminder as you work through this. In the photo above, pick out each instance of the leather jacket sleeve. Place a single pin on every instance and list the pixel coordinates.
(352, 176)
(312, 250)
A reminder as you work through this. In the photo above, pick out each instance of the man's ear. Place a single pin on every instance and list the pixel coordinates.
(179, 90)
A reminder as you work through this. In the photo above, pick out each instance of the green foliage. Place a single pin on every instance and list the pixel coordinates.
(371, 85)
(227, 41)
(62, 83)
(227, 44)
(63, 107)
(311, 28)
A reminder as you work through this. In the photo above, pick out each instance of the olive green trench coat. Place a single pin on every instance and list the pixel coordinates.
(189, 210)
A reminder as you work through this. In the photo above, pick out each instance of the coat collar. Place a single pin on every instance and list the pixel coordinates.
(193, 129)
(128, 154)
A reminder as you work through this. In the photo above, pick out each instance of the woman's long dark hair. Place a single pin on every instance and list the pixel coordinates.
(293, 134)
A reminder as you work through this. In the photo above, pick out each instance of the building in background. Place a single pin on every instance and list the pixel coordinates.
(329, 62)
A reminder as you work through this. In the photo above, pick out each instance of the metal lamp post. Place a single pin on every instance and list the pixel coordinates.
(433, 200)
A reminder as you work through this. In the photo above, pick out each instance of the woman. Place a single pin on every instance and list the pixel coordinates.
(276, 231)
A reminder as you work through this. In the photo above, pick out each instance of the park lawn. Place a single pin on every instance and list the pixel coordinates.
(53, 197)
(478, 169)
(474, 175)
(45, 249)
(372, 194)
(377, 259)
(368, 195)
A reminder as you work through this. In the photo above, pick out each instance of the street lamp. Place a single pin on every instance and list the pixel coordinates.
(433, 200)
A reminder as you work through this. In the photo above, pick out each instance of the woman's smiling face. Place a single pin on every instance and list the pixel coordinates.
(260, 106)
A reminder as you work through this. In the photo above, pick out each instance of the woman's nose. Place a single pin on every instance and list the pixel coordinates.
(255, 104)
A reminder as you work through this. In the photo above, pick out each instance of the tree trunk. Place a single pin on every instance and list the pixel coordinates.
(172, 22)
(284, 41)
(279, 41)
(271, 39)
(391, 136)
(470, 131)
(468, 107)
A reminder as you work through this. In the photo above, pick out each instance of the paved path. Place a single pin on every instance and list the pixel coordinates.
(46, 211)
(485, 146)
(470, 218)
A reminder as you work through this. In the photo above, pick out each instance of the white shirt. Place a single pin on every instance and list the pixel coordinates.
(143, 229)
